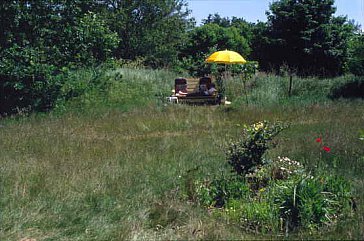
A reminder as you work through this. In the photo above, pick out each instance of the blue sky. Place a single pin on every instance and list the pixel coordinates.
(253, 10)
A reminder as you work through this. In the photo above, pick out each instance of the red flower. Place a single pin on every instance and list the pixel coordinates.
(326, 148)
(319, 140)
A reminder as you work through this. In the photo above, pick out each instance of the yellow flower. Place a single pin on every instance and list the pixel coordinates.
(258, 126)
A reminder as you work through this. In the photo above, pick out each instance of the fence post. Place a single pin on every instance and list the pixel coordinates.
(290, 86)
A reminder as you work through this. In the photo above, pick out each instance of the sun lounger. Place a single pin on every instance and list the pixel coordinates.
(191, 91)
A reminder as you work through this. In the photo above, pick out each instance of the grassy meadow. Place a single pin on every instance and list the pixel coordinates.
(116, 165)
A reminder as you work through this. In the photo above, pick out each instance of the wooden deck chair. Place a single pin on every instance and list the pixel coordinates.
(192, 85)
(180, 86)
(204, 84)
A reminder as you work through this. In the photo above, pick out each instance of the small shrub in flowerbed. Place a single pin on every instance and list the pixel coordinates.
(273, 195)
(245, 155)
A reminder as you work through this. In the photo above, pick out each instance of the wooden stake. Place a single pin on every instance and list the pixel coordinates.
(290, 86)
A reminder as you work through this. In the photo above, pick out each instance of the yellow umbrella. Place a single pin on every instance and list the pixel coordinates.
(226, 57)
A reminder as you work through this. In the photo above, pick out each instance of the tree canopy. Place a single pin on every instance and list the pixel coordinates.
(40, 40)
(356, 60)
(152, 29)
(307, 37)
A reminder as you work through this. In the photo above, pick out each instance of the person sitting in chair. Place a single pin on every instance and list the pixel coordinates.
(211, 91)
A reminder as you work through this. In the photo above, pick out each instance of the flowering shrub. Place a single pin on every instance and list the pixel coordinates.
(273, 195)
(245, 155)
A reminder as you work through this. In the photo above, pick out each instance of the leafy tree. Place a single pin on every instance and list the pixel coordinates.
(217, 19)
(91, 39)
(26, 81)
(305, 36)
(244, 28)
(208, 38)
(42, 38)
(261, 45)
(39, 38)
(153, 29)
(356, 61)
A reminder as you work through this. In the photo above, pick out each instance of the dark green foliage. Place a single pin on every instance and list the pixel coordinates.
(40, 39)
(349, 90)
(205, 40)
(26, 82)
(86, 80)
(297, 201)
(152, 29)
(245, 155)
(310, 201)
(307, 37)
(356, 61)
(217, 19)
(90, 40)
(244, 28)
(64, 32)
(261, 45)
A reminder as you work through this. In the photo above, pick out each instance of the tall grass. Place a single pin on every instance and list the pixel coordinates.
(271, 90)
(115, 167)
(95, 90)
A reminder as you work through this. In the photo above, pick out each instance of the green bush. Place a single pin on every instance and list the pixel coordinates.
(79, 82)
(27, 83)
(356, 60)
(271, 195)
(246, 154)
(351, 89)
(310, 202)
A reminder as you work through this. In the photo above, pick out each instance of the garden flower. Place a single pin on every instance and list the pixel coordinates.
(326, 148)
(319, 140)
(258, 126)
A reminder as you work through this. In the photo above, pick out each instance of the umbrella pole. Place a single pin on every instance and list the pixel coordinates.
(220, 82)
(223, 84)
(245, 92)
(225, 73)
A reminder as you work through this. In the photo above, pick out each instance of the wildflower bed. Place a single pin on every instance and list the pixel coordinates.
(278, 195)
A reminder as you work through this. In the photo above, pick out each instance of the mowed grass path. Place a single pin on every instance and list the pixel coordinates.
(100, 176)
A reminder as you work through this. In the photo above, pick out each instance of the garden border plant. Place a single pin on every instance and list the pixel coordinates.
(278, 195)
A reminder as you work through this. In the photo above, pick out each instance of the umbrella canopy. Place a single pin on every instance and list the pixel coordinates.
(226, 57)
